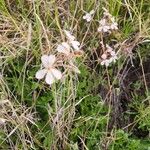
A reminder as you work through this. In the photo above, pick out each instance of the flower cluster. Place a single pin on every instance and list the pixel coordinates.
(108, 56)
(70, 45)
(107, 24)
(67, 52)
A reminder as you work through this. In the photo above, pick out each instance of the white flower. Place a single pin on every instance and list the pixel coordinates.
(114, 26)
(103, 27)
(64, 47)
(49, 70)
(2, 121)
(75, 45)
(102, 22)
(104, 56)
(109, 49)
(107, 23)
(106, 62)
(111, 52)
(71, 40)
(113, 58)
(88, 16)
(69, 36)
(108, 56)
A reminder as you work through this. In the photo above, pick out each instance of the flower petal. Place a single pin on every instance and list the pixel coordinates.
(109, 49)
(49, 78)
(106, 28)
(107, 62)
(69, 36)
(87, 17)
(84, 17)
(75, 69)
(51, 60)
(56, 73)
(40, 74)
(64, 48)
(104, 56)
(99, 29)
(2, 121)
(45, 61)
(75, 45)
(92, 12)
(102, 22)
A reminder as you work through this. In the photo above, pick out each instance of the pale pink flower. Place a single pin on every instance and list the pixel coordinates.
(106, 62)
(103, 27)
(88, 16)
(104, 56)
(113, 58)
(107, 23)
(50, 73)
(109, 49)
(108, 56)
(2, 121)
(71, 40)
(69, 36)
(64, 48)
(75, 45)
(114, 26)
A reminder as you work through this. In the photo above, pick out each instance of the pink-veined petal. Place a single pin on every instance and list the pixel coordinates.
(45, 61)
(51, 60)
(40, 74)
(49, 78)
(56, 73)
(104, 56)
(66, 45)
(64, 48)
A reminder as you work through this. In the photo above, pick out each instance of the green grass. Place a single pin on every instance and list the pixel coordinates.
(82, 111)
